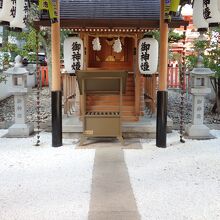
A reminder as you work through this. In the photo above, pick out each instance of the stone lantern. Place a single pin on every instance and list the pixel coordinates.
(19, 89)
(199, 90)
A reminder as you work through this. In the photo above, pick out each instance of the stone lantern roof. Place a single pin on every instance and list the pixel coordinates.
(200, 70)
(18, 68)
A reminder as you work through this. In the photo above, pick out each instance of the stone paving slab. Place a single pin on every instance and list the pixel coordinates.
(96, 143)
(112, 197)
(113, 216)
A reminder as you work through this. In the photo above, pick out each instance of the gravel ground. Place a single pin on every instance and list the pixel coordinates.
(44, 183)
(174, 110)
(7, 107)
(180, 182)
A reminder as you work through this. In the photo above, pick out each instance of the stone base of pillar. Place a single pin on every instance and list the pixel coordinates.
(20, 130)
(199, 132)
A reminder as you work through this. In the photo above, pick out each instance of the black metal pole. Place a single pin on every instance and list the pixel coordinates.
(56, 104)
(161, 132)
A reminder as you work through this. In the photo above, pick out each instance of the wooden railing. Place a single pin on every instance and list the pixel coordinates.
(150, 88)
(69, 93)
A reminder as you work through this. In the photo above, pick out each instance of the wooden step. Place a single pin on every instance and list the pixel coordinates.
(108, 103)
(109, 108)
(128, 84)
(129, 93)
(129, 118)
(128, 113)
(109, 98)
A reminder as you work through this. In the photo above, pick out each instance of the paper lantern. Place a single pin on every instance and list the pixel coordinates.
(20, 19)
(44, 4)
(198, 19)
(174, 7)
(73, 54)
(211, 12)
(148, 55)
(8, 10)
(49, 6)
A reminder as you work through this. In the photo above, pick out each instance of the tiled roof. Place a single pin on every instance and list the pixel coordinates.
(110, 9)
(110, 13)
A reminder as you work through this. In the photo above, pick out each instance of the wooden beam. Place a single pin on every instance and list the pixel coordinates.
(110, 23)
(137, 78)
(86, 50)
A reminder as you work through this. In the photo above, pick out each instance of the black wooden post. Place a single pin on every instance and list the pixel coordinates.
(161, 135)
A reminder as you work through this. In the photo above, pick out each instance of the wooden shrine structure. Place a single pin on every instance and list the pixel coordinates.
(127, 20)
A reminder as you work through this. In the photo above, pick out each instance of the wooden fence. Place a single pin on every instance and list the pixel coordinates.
(150, 88)
(173, 79)
(69, 93)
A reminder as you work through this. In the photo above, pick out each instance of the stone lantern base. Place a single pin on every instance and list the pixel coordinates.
(198, 132)
(20, 130)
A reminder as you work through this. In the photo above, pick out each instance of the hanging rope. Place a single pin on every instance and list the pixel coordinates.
(38, 91)
(182, 79)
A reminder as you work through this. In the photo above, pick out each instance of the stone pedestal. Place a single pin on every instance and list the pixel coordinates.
(197, 129)
(20, 128)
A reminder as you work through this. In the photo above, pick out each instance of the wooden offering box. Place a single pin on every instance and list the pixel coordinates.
(101, 82)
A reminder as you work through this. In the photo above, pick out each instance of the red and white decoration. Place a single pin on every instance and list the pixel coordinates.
(21, 16)
(73, 54)
(8, 10)
(198, 18)
(148, 55)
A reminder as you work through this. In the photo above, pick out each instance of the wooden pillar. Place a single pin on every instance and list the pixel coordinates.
(162, 93)
(80, 100)
(56, 82)
(137, 78)
(86, 50)
(85, 65)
